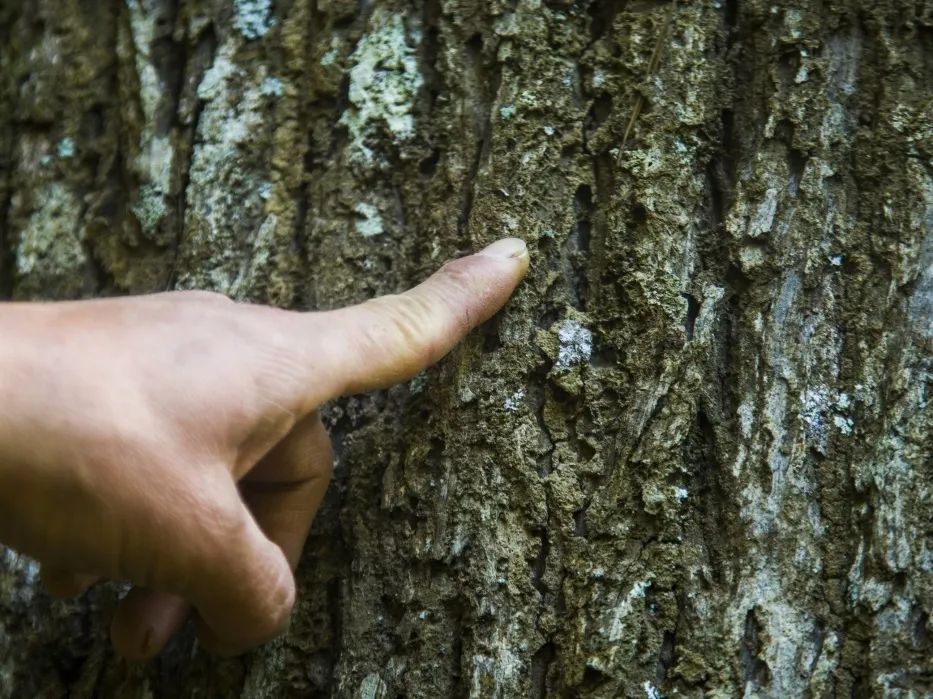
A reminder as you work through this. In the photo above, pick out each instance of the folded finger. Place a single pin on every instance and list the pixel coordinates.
(65, 584)
(144, 622)
(286, 488)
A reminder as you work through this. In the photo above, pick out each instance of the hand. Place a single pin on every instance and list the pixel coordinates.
(173, 440)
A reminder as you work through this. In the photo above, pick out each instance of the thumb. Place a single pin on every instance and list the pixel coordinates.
(391, 338)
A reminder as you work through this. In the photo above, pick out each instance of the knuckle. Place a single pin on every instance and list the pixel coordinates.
(217, 518)
(274, 607)
(461, 291)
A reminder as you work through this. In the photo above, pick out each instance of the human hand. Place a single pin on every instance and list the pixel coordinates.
(173, 440)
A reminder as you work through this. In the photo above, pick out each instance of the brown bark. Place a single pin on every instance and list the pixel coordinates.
(691, 457)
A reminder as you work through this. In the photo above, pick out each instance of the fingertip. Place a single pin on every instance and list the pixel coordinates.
(145, 621)
(512, 251)
(391, 338)
(507, 248)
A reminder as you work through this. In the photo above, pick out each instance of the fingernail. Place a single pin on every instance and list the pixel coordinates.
(507, 247)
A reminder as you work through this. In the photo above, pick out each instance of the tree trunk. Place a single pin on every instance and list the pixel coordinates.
(691, 457)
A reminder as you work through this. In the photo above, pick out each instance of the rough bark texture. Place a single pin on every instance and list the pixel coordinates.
(692, 457)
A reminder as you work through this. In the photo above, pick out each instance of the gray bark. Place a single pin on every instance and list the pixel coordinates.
(691, 457)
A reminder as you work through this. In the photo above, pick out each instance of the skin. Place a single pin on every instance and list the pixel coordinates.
(174, 440)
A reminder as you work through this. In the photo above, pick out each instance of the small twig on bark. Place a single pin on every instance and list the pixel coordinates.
(653, 65)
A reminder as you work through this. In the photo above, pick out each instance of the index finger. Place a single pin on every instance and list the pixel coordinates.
(390, 339)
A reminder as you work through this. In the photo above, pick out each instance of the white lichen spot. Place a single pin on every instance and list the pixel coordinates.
(465, 394)
(235, 132)
(66, 148)
(253, 17)
(143, 21)
(329, 58)
(651, 691)
(814, 406)
(50, 244)
(793, 20)
(843, 424)
(515, 401)
(507, 111)
(706, 322)
(491, 675)
(576, 344)
(272, 87)
(680, 493)
(154, 158)
(834, 124)
(384, 82)
(746, 419)
(625, 607)
(215, 78)
(599, 78)
(265, 190)
(763, 219)
(758, 322)
(549, 130)
(372, 687)
(369, 220)
(459, 542)
(821, 405)
(836, 260)
(423, 614)
(149, 208)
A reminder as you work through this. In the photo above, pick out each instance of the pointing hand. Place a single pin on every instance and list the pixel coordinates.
(173, 440)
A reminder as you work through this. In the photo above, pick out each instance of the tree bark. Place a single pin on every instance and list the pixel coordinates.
(691, 457)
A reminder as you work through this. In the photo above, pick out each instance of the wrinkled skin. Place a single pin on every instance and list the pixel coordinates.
(173, 440)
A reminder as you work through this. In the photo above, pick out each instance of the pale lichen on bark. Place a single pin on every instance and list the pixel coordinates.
(690, 458)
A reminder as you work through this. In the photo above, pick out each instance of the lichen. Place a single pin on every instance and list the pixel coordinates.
(65, 148)
(272, 87)
(369, 221)
(515, 401)
(764, 472)
(51, 248)
(253, 18)
(384, 81)
(576, 344)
